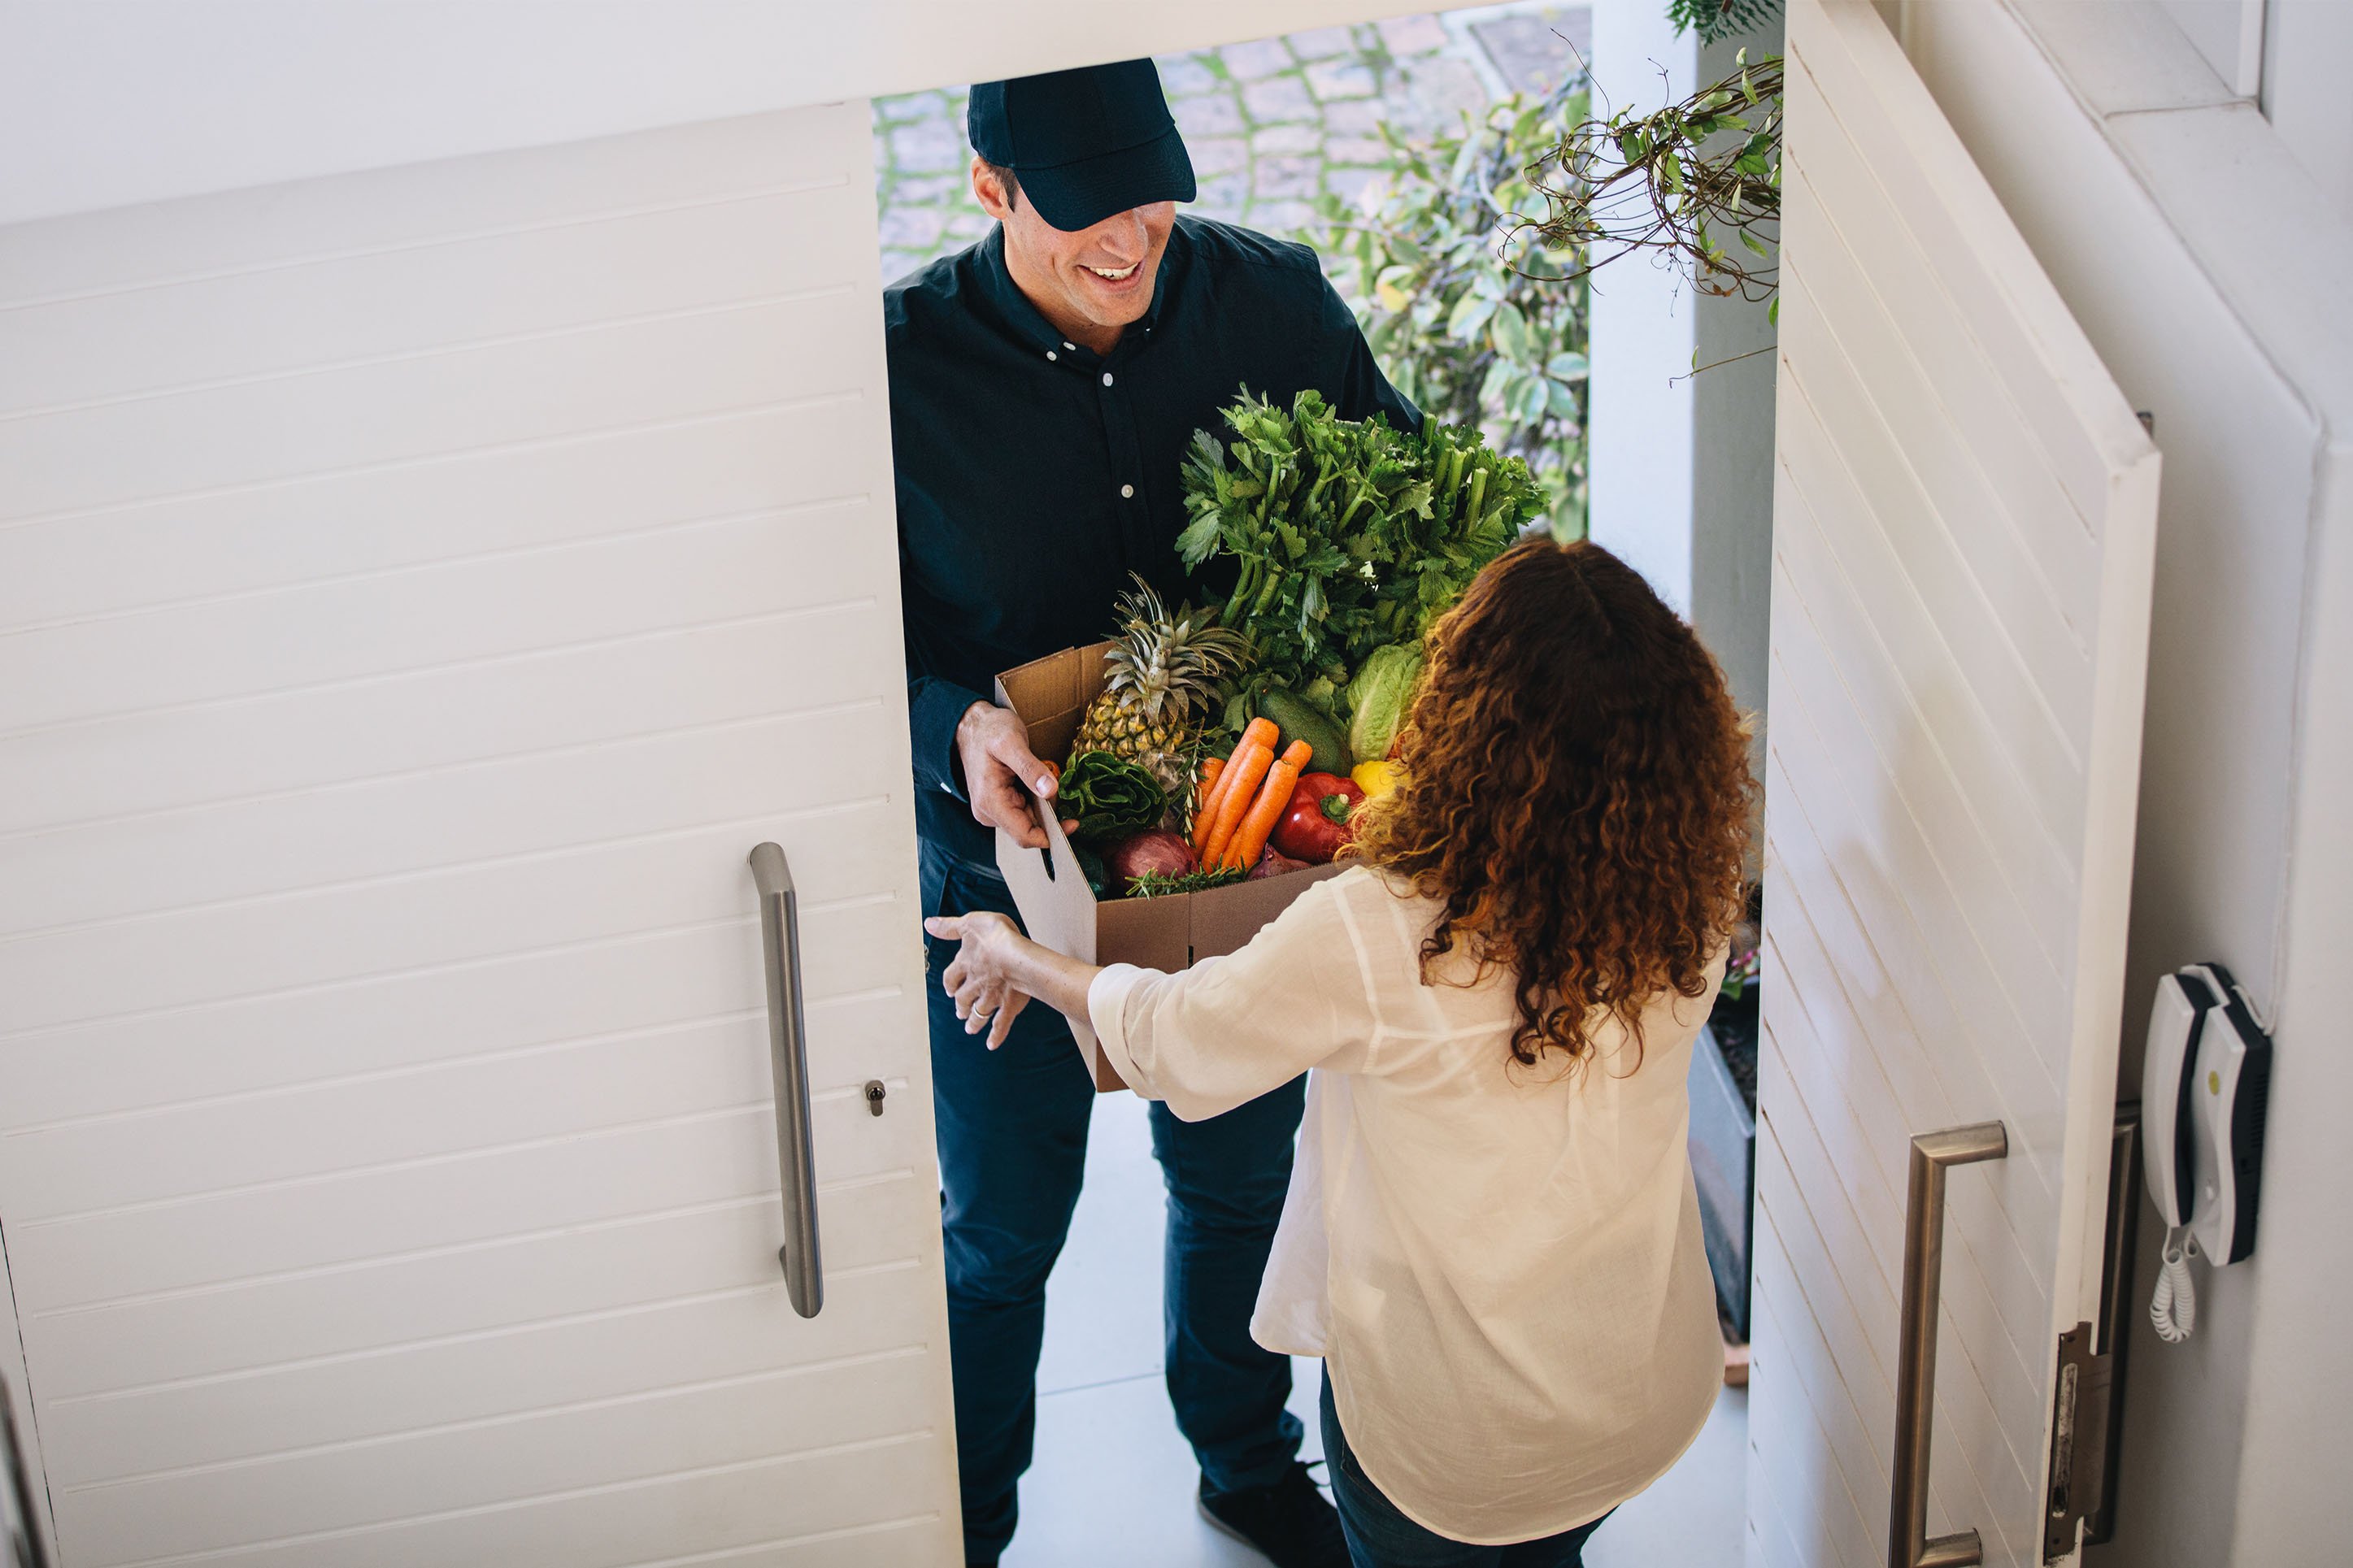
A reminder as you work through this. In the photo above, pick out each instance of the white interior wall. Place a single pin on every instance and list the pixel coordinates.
(106, 103)
(2228, 33)
(1682, 465)
(1643, 332)
(2305, 45)
(1731, 458)
(2134, 171)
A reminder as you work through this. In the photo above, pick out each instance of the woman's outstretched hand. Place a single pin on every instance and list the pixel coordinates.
(997, 970)
(980, 978)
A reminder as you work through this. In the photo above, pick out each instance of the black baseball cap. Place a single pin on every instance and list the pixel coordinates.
(1086, 143)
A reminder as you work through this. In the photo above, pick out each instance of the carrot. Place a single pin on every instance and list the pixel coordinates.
(1274, 799)
(1249, 765)
(1258, 731)
(1204, 814)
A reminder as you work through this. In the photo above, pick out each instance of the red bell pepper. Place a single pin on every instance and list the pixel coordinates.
(1315, 824)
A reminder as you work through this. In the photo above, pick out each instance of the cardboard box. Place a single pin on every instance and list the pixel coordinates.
(1166, 934)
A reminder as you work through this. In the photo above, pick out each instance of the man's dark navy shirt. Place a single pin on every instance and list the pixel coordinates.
(1034, 474)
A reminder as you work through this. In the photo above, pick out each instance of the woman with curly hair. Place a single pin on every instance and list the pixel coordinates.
(1492, 1235)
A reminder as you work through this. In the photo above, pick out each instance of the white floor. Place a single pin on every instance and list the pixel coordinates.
(1113, 1480)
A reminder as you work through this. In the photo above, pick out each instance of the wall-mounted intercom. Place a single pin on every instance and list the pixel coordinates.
(2205, 1088)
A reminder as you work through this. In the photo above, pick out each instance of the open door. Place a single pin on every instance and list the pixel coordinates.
(1965, 517)
(420, 592)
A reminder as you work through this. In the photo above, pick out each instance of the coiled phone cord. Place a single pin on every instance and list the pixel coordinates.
(2173, 1310)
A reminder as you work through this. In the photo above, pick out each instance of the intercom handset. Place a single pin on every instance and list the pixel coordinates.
(2205, 1090)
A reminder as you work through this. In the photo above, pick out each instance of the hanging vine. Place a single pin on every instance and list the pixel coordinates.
(1686, 183)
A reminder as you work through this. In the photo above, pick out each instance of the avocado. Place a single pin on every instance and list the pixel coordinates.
(1300, 720)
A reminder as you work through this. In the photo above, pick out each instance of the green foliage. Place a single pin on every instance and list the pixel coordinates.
(1475, 330)
(1718, 19)
(1349, 535)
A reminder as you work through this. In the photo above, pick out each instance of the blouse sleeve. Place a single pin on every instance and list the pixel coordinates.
(1229, 1029)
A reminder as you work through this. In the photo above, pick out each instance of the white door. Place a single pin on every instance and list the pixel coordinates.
(419, 591)
(1964, 521)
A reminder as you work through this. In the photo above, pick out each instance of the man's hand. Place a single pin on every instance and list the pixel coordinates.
(980, 978)
(1001, 774)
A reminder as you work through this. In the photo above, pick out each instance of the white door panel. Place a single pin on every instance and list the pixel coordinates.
(538, 1364)
(419, 592)
(749, 565)
(615, 1441)
(1837, 1102)
(700, 1068)
(1963, 525)
(552, 388)
(549, 494)
(206, 957)
(2044, 611)
(633, 1262)
(733, 250)
(291, 845)
(217, 1238)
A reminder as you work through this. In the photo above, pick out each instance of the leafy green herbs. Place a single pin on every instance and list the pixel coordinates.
(1349, 535)
(1160, 884)
(1110, 797)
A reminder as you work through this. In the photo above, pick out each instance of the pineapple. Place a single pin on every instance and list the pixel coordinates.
(1158, 677)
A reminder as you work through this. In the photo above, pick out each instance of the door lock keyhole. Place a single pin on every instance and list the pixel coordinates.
(874, 1093)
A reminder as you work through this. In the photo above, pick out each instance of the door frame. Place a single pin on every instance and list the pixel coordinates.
(13, 1372)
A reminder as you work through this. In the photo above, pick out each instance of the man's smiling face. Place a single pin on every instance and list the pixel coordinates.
(1089, 283)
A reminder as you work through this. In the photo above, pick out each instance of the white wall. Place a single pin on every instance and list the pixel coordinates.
(2179, 229)
(2305, 46)
(108, 102)
(1682, 465)
(1731, 458)
(1643, 331)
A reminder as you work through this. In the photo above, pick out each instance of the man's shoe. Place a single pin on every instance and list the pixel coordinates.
(1289, 1522)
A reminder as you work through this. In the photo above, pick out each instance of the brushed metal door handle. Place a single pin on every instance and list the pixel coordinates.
(780, 943)
(1933, 1153)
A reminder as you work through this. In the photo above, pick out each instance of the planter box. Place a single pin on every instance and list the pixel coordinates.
(1061, 911)
(1724, 1149)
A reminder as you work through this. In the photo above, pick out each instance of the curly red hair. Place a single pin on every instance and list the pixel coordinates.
(1576, 794)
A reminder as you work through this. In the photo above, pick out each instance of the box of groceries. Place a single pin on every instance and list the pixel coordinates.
(1164, 867)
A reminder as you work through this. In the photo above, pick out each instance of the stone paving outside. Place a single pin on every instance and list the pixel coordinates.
(1271, 124)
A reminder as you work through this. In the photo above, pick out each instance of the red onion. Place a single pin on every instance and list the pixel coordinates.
(1274, 863)
(1170, 854)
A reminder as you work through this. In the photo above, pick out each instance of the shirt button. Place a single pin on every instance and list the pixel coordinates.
(1106, 378)
(1128, 492)
(1049, 353)
(1069, 345)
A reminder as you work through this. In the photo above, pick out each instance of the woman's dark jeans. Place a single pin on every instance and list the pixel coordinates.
(1381, 1537)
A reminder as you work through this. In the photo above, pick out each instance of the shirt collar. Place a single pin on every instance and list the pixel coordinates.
(1031, 328)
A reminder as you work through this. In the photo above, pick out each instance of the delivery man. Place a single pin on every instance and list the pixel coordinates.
(1044, 385)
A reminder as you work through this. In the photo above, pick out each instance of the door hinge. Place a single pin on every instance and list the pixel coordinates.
(2088, 1382)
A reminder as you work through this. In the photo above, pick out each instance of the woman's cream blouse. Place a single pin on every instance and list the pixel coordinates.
(1501, 1264)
